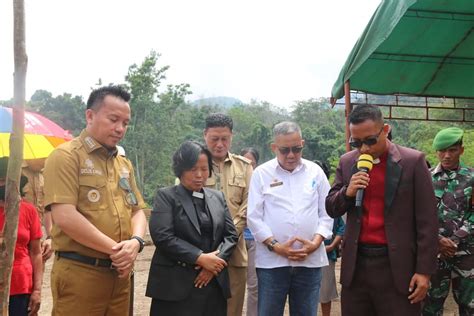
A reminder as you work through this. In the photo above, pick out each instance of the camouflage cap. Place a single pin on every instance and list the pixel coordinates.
(447, 137)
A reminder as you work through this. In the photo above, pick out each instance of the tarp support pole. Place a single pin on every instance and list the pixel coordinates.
(347, 100)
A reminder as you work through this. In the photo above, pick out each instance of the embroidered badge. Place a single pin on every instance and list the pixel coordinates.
(89, 142)
(90, 168)
(93, 196)
(89, 163)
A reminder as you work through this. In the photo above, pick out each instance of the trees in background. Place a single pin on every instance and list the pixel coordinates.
(65, 109)
(162, 119)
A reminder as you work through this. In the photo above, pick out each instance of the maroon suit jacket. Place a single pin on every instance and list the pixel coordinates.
(411, 221)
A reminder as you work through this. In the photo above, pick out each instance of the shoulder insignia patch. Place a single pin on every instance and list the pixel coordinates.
(242, 158)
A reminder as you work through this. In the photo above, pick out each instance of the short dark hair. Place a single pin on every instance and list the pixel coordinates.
(98, 95)
(252, 151)
(219, 120)
(187, 155)
(365, 112)
(459, 142)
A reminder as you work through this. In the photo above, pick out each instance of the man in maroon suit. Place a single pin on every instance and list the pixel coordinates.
(390, 243)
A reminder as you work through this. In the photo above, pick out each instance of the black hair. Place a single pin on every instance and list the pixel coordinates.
(459, 142)
(219, 120)
(3, 174)
(324, 166)
(365, 112)
(252, 151)
(98, 95)
(187, 156)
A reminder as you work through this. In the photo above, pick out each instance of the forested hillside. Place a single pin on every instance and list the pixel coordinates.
(162, 119)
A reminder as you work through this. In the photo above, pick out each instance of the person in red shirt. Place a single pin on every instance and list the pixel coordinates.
(390, 242)
(27, 272)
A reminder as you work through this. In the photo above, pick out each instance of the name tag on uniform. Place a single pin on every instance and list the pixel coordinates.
(198, 195)
(276, 184)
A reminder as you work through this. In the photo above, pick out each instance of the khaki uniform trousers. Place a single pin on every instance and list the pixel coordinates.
(238, 279)
(81, 289)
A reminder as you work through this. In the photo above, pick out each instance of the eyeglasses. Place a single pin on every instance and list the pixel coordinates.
(286, 150)
(369, 141)
(130, 197)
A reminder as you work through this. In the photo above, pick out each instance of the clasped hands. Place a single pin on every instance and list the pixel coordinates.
(125, 253)
(210, 265)
(308, 246)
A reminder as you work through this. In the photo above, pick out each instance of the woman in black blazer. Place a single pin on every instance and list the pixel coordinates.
(194, 236)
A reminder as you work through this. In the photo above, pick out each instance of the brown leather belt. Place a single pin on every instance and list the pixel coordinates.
(367, 250)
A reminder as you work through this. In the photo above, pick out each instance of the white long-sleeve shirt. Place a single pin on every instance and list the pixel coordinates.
(287, 204)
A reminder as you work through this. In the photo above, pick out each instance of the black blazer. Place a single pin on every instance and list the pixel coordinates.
(175, 231)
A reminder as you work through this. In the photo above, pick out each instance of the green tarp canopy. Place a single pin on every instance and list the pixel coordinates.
(423, 47)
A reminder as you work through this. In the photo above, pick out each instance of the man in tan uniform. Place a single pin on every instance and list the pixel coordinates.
(97, 212)
(34, 193)
(230, 174)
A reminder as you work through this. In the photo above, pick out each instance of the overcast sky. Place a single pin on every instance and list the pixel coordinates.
(275, 51)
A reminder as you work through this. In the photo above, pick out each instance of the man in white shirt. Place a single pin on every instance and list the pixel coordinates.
(287, 215)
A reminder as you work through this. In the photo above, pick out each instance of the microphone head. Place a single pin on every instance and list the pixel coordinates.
(365, 162)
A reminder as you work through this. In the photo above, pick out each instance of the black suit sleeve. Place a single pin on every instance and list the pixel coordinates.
(162, 230)
(337, 203)
(229, 233)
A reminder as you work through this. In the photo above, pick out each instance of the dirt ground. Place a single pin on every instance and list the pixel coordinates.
(142, 303)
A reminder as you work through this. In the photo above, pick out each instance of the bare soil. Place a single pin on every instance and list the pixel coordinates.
(142, 303)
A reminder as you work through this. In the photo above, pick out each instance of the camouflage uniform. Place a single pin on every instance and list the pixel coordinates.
(454, 191)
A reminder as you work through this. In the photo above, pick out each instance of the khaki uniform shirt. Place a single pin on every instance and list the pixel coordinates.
(234, 182)
(34, 189)
(101, 185)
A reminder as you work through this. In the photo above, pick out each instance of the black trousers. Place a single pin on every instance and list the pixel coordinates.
(206, 301)
(18, 305)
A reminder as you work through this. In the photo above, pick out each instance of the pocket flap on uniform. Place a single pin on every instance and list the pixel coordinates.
(237, 181)
(92, 181)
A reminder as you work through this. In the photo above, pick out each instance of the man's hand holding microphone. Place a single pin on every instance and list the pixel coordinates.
(360, 180)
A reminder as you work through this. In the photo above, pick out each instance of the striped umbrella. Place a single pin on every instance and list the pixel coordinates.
(41, 134)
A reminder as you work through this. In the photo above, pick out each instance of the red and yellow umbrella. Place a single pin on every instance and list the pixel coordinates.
(41, 134)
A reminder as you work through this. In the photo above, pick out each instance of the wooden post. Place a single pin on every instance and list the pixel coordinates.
(12, 194)
(347, 101)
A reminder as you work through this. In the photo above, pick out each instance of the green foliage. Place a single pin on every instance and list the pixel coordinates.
(323, 130)
(159, 124)
(253, 125)
(162, 119)
(65, 110)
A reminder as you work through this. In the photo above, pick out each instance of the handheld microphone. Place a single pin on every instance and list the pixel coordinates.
(365, 164)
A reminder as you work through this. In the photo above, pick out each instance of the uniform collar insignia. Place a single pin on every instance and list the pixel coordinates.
(89, 141)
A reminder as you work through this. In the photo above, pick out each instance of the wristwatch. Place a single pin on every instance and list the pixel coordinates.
(271, 245)
(140, 241)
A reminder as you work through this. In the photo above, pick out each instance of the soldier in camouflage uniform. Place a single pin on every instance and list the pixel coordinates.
(453, 183)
